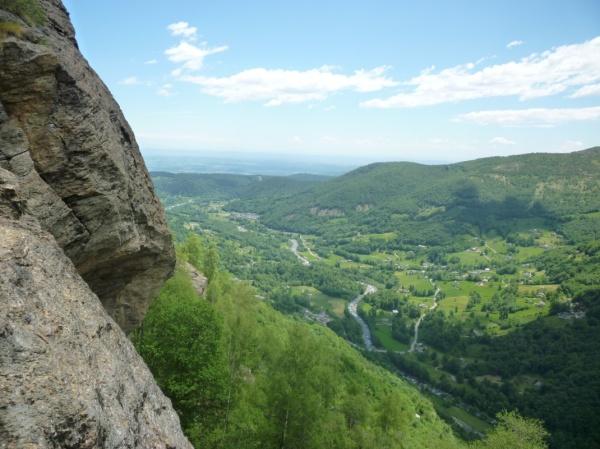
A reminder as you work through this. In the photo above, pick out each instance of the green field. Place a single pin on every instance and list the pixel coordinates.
(384, 335)
(418, 281)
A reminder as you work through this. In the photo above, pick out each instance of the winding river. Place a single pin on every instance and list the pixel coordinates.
(294, 249)
(353, 309)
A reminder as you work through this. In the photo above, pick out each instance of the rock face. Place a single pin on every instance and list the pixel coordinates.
(83, 249)
(199, 281)
(69, 377)
(79, 167)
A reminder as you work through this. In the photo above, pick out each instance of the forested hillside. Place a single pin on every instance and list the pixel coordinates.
(242, 375)
(487, 275)
(435, 203)
(228, 186)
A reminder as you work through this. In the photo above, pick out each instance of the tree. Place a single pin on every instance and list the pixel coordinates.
(211, 262)
(193, 250)
(299, 390)
(515, 432)
(181, 343)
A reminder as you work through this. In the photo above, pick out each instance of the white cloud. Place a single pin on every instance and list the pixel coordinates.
(165, 90)
(516, 43)
(151, 61)
(502, 141)
(572, 145)
(532, 117)
(130, 81)
(537, 75)
(183, 29)
(586, 91)
(275, 87)
(191, 57)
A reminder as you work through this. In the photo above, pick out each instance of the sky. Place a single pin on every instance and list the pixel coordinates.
(350, 80)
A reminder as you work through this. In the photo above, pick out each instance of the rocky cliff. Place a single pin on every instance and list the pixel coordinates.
(83, 249)
(65, 138)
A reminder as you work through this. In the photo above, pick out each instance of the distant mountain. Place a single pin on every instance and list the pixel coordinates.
(425, 203)
(223, 186)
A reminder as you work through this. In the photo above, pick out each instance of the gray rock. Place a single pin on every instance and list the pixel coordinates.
(82, 238)
(69, 377)
(80, 168)
(199, 281)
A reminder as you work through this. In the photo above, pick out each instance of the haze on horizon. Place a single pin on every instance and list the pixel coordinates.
(351, 81)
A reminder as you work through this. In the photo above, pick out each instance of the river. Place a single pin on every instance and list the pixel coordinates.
(353, 309)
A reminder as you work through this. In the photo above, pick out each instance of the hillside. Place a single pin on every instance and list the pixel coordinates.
(434, 203)
(487, 276)
(241, 374)
(230, 186)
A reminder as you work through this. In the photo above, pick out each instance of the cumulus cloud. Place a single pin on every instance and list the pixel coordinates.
(130, 81)
(165, 90)
(183, 29)
(190, 56)
(544, 117)
(537, 75)
(151, 61)
(501, 141)
(275, 87)
(512, 44)
(586, 91)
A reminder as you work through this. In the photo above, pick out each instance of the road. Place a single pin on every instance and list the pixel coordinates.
(294, 249)
(415, 341)
(353, 309)
(310, 251)
(173, 206)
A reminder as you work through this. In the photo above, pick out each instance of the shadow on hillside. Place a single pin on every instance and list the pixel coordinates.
(506, 215)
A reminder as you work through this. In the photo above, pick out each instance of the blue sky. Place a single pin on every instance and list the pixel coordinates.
(377, 80)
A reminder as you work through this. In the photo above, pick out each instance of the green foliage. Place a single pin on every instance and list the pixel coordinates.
(515, 432)
(432, 204)
(242, 375)
(216, 187)
(211, 263)
(181, 341)
(510, 244)
(29, 10)
(192, 250)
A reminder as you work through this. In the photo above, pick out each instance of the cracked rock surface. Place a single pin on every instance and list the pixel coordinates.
(84, 248)
(79, 167)
(69, 377)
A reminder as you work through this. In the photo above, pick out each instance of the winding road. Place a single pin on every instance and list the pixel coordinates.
(173, 206)
(415, 340)
(353, 309)
(310, 251)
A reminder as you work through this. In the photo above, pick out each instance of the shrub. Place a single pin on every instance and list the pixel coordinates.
(10, 29)
(28, 10)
